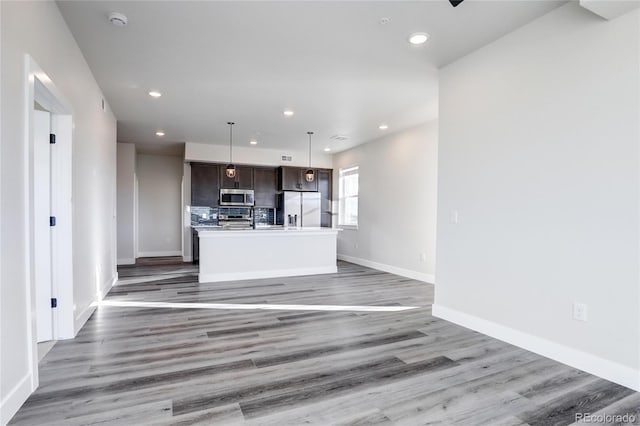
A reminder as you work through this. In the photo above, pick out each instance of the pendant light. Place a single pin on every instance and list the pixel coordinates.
(309, 175)
(231, 169)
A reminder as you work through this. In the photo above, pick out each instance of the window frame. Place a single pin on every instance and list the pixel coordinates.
(342, 174)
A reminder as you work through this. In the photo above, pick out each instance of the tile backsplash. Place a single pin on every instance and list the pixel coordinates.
(263, 216)
(208, 216)
(204, 216)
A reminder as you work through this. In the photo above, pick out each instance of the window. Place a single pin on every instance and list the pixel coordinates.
(348, 196)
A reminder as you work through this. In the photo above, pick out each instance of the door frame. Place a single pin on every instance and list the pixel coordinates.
(41, 89)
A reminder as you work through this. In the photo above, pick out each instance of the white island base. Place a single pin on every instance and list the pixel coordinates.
(229, 255)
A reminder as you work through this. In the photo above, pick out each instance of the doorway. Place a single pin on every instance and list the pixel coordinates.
(48, 186)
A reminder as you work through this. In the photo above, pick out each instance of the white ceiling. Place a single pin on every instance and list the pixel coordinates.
(332, 62)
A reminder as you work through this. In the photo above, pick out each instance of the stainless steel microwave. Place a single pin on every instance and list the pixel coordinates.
(236, 197)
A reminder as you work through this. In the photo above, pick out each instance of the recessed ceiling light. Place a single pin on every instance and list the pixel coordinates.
(155, 94)
(327, 149)
(288, 112)
(418, 38)
(118, 19)
(383, 127)
(253, 142)
(159, 133)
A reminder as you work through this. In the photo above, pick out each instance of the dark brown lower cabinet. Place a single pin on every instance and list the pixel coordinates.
(195, 247)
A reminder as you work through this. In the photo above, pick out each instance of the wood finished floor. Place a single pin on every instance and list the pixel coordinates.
(169, 366)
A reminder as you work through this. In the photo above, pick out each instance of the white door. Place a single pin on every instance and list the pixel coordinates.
(41, 226)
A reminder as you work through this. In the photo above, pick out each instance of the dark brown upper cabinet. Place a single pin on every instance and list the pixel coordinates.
(292, 179)
(242, 180)
(264, 186)
(207, 179)
(205, 184)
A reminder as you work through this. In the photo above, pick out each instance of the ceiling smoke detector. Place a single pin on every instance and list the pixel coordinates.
(339, 137)
(118, 19)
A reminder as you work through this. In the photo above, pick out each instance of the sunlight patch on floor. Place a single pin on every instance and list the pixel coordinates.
(255, 306)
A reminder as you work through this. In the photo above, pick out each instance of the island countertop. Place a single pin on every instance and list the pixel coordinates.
(212, 231)
(241, 254)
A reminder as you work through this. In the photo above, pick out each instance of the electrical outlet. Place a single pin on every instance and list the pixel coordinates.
(454, 216)
(355, 245)
(423, 257)
(579, 311)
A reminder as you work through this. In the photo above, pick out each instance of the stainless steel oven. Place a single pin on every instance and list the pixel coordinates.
(236, 197)
(235, 217)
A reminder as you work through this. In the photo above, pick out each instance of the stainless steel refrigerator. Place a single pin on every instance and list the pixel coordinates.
(299, 209)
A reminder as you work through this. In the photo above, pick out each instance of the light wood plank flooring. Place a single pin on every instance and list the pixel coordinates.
(177, 366)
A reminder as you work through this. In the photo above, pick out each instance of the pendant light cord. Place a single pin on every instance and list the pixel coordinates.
(309, 133)
(230, 123)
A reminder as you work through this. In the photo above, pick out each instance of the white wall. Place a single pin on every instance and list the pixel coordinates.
(397, 202)
(38, 29)
(126, 175)
(159, 205)
(187, 255)
(254, 155)
(538, 153)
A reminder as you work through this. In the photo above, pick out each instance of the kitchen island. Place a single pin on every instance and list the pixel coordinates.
(241, 254)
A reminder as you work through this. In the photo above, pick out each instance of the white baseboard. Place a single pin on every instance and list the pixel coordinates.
(127, 261)
(159, 253)
(108, 285)
(609, 370)
(420, 276)
(187, 258)
(82, 317)
(251, 275)
(14, 399)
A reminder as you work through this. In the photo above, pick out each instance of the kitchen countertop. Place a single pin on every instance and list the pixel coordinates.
(221, 228)
(211, 230)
